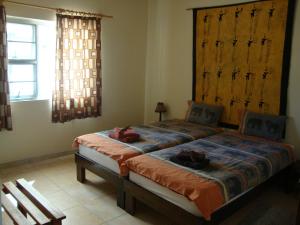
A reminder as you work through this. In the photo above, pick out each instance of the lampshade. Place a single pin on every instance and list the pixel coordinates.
(160, 107)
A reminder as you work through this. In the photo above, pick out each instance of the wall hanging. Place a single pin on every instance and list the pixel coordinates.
(241, 57)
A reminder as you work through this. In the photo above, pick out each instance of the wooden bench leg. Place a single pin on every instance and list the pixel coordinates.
(57, 222)
(80, 173)
(130, 204)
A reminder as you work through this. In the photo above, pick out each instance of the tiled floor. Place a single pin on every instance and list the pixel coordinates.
(94, 202)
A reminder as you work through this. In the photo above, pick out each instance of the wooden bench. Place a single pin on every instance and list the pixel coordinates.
(29, 202)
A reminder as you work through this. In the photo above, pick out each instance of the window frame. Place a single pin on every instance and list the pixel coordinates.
(33, 62)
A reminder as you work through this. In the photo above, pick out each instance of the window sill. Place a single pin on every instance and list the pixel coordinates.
(29, 100)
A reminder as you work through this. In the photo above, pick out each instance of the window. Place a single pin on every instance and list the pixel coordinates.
(22, 48)
(31, 47)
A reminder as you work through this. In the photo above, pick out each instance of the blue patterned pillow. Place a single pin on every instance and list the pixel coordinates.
(263, 125)
(204, 114)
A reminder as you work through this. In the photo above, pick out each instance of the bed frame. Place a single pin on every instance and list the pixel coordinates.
(83, 163)
(128, 193)
(178, 215)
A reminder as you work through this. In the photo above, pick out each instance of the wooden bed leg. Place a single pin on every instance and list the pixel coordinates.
(298, 214)
(130, 204)
(121, 196)
(289, 180)
(80, 173)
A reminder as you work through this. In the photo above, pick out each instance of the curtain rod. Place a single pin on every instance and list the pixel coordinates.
(58, 9)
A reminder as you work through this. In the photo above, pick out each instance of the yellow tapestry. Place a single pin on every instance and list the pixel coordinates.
(238, 57)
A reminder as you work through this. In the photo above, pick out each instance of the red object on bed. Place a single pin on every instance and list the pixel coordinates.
(126, 135)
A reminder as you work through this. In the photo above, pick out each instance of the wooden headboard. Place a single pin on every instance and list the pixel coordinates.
(241, 57)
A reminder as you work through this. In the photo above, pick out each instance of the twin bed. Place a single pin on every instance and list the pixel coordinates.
(143, 170)
(238, 164)
(107, 157)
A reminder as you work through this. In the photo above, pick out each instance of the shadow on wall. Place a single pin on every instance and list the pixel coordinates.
(292, 134)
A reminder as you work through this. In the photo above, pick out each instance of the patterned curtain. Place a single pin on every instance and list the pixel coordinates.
(77, 89)
(5, 110)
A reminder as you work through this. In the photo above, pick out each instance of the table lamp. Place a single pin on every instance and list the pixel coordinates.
(160, 108)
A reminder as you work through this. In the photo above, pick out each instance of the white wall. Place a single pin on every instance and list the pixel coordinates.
(169, 61)
(151, 37)
(123, 61)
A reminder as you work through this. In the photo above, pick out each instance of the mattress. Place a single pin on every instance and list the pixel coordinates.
(165, 193)
(99, 158)
(171, 196)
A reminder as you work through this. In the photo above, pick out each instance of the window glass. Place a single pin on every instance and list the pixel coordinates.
(20, 32)
(22, 89)
(19, 72)
(21, 50)
(22, 60)
(31, 58)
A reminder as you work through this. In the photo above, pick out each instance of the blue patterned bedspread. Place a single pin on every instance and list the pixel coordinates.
(237, 163)
(166, 134)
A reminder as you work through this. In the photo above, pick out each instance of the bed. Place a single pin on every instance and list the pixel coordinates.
(239, 164)
(106, 156)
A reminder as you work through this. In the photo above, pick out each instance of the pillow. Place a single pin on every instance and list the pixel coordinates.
(204, 114)
(263, 125)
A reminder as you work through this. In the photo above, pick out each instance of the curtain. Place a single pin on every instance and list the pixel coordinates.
(5, 110)
(77, 88)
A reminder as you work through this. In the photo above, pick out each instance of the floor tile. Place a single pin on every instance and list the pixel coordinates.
(80, 216)
(44, 186)
(63, 179)
(15, 169)
(105, 208)
(62, 200)
(140, 219)
(84, 193)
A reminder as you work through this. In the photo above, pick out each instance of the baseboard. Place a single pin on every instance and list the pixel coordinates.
(36, 159)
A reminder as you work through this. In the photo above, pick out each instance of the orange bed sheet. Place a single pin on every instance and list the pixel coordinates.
(206, 194)
(117, 151)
